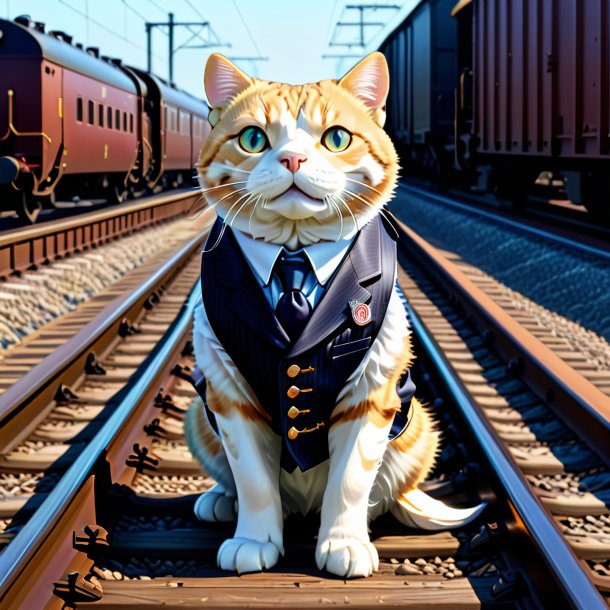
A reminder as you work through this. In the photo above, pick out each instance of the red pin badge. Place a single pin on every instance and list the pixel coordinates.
(361, 312)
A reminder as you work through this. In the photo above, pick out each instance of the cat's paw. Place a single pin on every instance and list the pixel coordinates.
(214, 506)
(348, 558)
(244, 555)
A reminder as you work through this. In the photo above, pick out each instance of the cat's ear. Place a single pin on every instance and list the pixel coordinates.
(369, 80)
(223, 80)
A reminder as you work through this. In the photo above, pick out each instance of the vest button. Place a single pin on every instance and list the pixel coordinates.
(293, 412)
(293, 433)
(293, 391)
(293, 370)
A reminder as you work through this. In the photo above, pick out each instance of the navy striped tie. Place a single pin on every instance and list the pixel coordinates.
(293, 309)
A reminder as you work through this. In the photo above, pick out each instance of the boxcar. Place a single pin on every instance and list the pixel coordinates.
(421, 55)
(541, 91)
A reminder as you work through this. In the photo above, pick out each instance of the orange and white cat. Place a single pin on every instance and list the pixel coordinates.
(306, 169)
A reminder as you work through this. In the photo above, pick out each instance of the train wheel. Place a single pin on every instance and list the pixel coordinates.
(117, 193)
(27, 207)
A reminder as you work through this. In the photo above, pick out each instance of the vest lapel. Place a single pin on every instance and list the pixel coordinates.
(361, 266)
(245, 298)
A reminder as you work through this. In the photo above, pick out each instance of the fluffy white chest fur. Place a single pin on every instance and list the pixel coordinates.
(349, 494)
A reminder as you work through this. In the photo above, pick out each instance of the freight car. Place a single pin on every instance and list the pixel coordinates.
(73, 123)
(527, 86)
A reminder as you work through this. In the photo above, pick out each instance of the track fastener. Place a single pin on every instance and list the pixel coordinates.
(141, 460)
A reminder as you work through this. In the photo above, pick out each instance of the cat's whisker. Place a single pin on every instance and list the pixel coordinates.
(228, 214)
(246, 202)
(368, 186)
(252, 213)
(349, 210)
(335, 207)
(211, 206)
(378, 209)
(224, 222)
(220, 186)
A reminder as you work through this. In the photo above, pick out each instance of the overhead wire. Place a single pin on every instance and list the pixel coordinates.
(247, 28)
(103, 27)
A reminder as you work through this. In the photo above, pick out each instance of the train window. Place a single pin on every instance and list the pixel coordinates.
(130, 122)
(124, 121)
(100, 115)
(91, 112)
(109, 117)
(117, 119)
(184, 123)
(79, 109)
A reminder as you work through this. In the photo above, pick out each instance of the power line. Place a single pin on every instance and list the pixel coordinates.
(103, 27)
(133, 10)
(157, 6)
(142, 17)
(247, 28)
(330, 21)
(195, 9)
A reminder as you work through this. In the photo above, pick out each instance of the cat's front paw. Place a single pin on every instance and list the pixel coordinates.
(348, 558)
(243, 555)
(215, 505)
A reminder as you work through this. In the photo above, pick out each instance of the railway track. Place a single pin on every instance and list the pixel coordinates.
(70, 386)
(30, 247)
(550, 422)
(119, 521)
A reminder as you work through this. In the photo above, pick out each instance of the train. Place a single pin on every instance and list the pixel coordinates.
(495, 93)
(76, 124)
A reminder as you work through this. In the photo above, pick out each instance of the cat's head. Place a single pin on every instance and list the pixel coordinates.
(297, 164)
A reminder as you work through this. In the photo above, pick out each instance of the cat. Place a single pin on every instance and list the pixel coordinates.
(300, 407)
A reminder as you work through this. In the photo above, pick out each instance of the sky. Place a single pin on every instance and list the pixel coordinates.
(290, 35)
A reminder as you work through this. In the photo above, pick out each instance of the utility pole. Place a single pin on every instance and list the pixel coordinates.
(196, 28)
(361, 23)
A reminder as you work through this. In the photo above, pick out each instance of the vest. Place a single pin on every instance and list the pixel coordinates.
(298, 383)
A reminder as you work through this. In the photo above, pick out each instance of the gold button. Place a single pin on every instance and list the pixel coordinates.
(293, 370)
(293, 433)
(293, 412)
(293, 391)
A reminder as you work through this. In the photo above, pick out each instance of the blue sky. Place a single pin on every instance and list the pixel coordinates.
(292, 34)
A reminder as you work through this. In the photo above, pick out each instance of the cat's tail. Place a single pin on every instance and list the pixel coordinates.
(408, 460)
(416, 508)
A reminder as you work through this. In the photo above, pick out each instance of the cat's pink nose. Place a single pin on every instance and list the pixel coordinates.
(292, 161)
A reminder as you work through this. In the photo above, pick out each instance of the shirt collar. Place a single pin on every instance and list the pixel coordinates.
(324, 257)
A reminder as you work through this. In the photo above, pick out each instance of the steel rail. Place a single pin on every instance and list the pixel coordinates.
(23, 547)
(515, 224)
(581, 405)
(44, 229)
(67, 361)
(23, 248)
(561, 560)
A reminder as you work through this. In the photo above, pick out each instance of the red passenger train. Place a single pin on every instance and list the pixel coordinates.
(73, 123)
(506, 90)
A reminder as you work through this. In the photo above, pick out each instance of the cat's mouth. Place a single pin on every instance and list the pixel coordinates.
(296, 204)
(294, 189)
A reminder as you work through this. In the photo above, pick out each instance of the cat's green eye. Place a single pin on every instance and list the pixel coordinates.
(336, 139)
(253, 140)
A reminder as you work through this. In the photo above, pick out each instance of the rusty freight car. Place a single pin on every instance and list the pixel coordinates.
(540, 91)
(501, 91)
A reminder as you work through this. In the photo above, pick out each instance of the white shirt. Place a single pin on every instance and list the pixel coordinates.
(324, 258)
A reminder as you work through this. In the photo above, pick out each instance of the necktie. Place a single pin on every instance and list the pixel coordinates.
(293, 309)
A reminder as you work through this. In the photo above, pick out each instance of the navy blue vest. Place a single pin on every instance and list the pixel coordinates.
(298, 383)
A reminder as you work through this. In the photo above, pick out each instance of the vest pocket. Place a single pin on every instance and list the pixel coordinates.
(344, 349)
